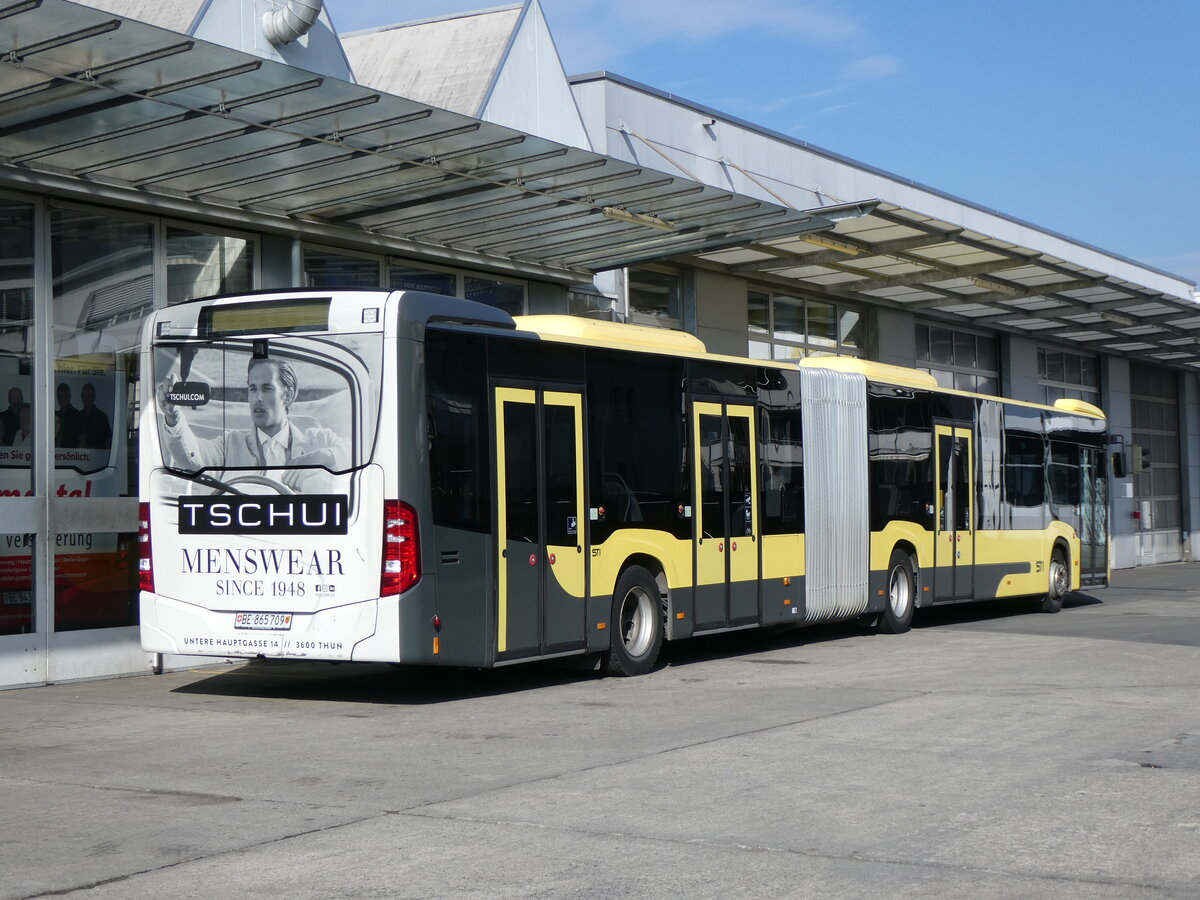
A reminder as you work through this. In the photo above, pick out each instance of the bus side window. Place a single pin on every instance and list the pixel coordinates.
(783, 472)
(1064, 473)
(457, 433)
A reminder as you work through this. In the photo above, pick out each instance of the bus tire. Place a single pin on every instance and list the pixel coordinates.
(901, 597)
(635, 627)
(1060, 580)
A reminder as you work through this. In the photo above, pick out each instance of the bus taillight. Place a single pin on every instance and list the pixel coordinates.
(145, 565)
(401, 548)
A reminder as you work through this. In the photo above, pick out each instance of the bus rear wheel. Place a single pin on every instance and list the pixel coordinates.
(1059, 582)
(901, 598)
(635, 627)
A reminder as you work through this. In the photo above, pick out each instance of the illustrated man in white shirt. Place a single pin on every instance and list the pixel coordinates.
(275, 442)
(23, 437)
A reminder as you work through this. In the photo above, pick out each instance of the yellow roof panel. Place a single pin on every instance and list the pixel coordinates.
(600, 333)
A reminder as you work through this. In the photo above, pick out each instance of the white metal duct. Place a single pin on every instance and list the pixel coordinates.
(835, 496)
(292, 20)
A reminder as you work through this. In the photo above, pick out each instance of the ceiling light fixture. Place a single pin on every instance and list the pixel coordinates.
(830, 244)
(1118, 319)
(997, 287)
(624, 215)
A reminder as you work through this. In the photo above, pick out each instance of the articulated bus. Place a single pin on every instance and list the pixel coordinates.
(419, 479)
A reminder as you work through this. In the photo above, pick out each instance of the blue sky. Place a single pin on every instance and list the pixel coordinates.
(1080, 116)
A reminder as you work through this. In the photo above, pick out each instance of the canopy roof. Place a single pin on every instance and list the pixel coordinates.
(96, 100)
(908, 260)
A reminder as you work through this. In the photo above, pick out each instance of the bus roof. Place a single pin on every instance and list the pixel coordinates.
(634, 338)
(1081, 407)
(874, 371)
(649, 339)
(618, 335)
(915, 378)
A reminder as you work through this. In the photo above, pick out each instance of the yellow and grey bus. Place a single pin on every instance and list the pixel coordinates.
(412, 478)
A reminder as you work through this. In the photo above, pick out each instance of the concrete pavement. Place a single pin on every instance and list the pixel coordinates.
(991, 752)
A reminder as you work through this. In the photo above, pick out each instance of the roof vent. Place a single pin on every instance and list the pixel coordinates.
(295, 18)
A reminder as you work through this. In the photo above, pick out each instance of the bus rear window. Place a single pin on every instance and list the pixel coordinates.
(267, 403)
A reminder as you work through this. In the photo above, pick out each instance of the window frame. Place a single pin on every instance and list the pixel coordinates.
(674, 322)
(790, 348)
(924, 359)
(1053, 389)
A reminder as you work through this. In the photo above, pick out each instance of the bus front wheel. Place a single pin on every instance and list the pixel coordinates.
(901, 597)
(636, 628)
(1059, 582)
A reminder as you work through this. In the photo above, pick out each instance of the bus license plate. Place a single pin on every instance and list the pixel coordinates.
(263, 621)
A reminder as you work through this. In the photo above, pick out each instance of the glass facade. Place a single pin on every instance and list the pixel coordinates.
(95, 580)
(16, 347)
(328, 268)
(332, 269)
(103, 286)
(786, 326)
(16, 584)
(69, 363)
(201, 264)
(655, 298)
(410, 278)
(1068, 375)
(959, 359)
(1155, 401)
(502, 294)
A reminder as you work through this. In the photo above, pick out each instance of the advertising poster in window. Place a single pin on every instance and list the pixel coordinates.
(89, 451)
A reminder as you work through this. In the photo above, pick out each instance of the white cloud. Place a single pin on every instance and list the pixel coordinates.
(871, 68)
(709, 19)
(594, 34)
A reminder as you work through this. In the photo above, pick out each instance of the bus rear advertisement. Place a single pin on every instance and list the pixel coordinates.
(420, 479)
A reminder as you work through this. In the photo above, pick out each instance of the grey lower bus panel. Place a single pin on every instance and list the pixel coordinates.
(837, 526)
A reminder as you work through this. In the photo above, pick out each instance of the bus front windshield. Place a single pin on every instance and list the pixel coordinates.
(302, 406)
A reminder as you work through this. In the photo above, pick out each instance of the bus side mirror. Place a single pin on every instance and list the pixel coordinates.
(1118, 464)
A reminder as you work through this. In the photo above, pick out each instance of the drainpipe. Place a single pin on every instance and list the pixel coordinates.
(284, 25)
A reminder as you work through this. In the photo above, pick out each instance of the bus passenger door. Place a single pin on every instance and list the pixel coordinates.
(954, 535)
(725, 522)
(540, 559)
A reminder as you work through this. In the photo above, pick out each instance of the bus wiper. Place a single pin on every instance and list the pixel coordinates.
(208, 481)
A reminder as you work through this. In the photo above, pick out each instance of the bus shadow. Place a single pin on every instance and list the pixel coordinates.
(387, 684)
(380, 683)
(415, 686)
(994, 610)
(752, 643)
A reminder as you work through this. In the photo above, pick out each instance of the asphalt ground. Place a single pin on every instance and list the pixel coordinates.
(992, 752)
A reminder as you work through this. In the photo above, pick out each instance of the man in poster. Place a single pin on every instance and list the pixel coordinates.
(274, 443)
(10, 419)
(69, 418)
(94, 431)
